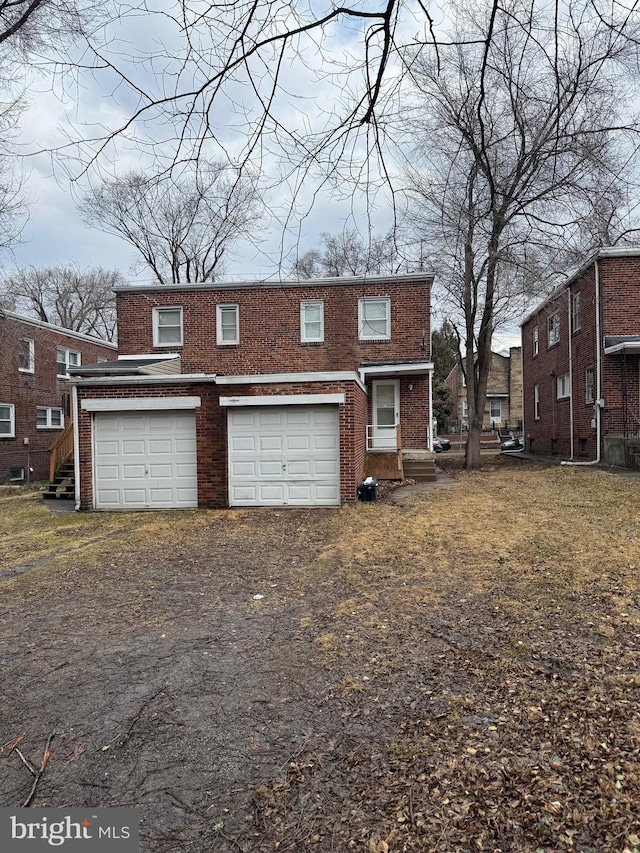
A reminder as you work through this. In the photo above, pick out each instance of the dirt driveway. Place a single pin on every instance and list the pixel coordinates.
(456, 672)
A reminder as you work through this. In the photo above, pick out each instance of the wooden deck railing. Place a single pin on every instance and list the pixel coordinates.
(61, 451)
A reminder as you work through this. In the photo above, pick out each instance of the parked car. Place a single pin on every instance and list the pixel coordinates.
(444, 443)
(437, 447)
(512, 444)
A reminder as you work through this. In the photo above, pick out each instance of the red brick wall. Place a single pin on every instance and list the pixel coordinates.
(27, 391)
(270, 326)
(211, 431)
(620, 315)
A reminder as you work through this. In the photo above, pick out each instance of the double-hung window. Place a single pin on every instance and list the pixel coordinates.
(374, 318)
(588, 385)
(228, 331)
(66, 358)
(563, 386)
(535, 341)
(553, 329)
(312, 321)
(167, 327)
(48, 417)
(536, 402)
(26, 359)
(575, 312)
(7, 420)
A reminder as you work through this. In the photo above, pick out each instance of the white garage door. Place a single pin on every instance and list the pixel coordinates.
(284, 456)
(145, 460)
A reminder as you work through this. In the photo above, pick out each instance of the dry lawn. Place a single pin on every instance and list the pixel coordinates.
(457, 671)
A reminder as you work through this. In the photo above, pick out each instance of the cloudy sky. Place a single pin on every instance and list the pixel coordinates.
(312, 96)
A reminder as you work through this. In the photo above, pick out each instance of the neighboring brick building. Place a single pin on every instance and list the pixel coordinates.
(581, 362)
(256, 393)
(34, 390)
(503, 408)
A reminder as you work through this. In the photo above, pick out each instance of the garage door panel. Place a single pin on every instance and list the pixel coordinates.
(288, 451)
(156, 460)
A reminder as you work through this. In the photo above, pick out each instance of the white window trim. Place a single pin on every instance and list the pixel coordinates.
(536, 341)
(536, 402)
(304, 338)
(49, 424)
(588, 388)
(576, 310)
(563, 380)
(499, 404)
(12, 421)
(66, 351)
(361, 320)
(553, 329)
(219, 310)
(31, 367)
(158, 309)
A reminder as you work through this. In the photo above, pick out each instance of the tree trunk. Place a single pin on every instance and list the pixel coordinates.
(472, 453)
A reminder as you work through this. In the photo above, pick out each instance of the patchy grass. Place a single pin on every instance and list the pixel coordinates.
(454, 672)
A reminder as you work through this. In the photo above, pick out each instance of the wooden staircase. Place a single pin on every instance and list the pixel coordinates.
(62, 483)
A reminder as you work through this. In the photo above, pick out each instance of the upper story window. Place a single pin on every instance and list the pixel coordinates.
(374, 318)
(536, 402)
(312, 321)
(575, 312)
(49, 418)
(564, 389)
(228, 331)
(26, 360)
(588, 385)
(535, 341)
(7, 420)
(67, 358)
(167, 327)
(553, 329)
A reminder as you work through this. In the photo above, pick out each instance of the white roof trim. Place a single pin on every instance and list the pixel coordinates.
(308, 376)
(147, 379)
(284, 400)
(139, 404)
(632, 347)
(94, 339)
(396, 369)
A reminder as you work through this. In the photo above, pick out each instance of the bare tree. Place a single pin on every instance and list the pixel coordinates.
(81, 300)
(347, 254)
(183, 227)
(521, 134)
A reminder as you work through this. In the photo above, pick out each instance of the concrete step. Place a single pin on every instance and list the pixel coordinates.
(422, 471)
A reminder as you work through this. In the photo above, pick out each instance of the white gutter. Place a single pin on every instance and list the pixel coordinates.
(430, 441)
(599, 402)
(76, 445)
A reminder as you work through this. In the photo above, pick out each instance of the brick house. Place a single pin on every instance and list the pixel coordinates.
(504, 394)
(254, 393)
(35, 358)
(581, 364)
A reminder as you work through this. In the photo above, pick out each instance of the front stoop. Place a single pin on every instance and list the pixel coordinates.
(419, 465)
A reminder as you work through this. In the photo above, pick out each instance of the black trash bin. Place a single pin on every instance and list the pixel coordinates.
(368, 490)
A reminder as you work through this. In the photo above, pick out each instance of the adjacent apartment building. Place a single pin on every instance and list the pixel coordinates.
(35, 408)
(581, 364)
(254, 393)
(504, 394)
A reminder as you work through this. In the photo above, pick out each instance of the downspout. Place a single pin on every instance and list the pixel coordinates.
(570, 336)
(76, 444)
(598, 403)
(430, 433)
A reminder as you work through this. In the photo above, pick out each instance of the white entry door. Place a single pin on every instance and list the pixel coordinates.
(145, 460)
(386, 412)
(284, 456)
